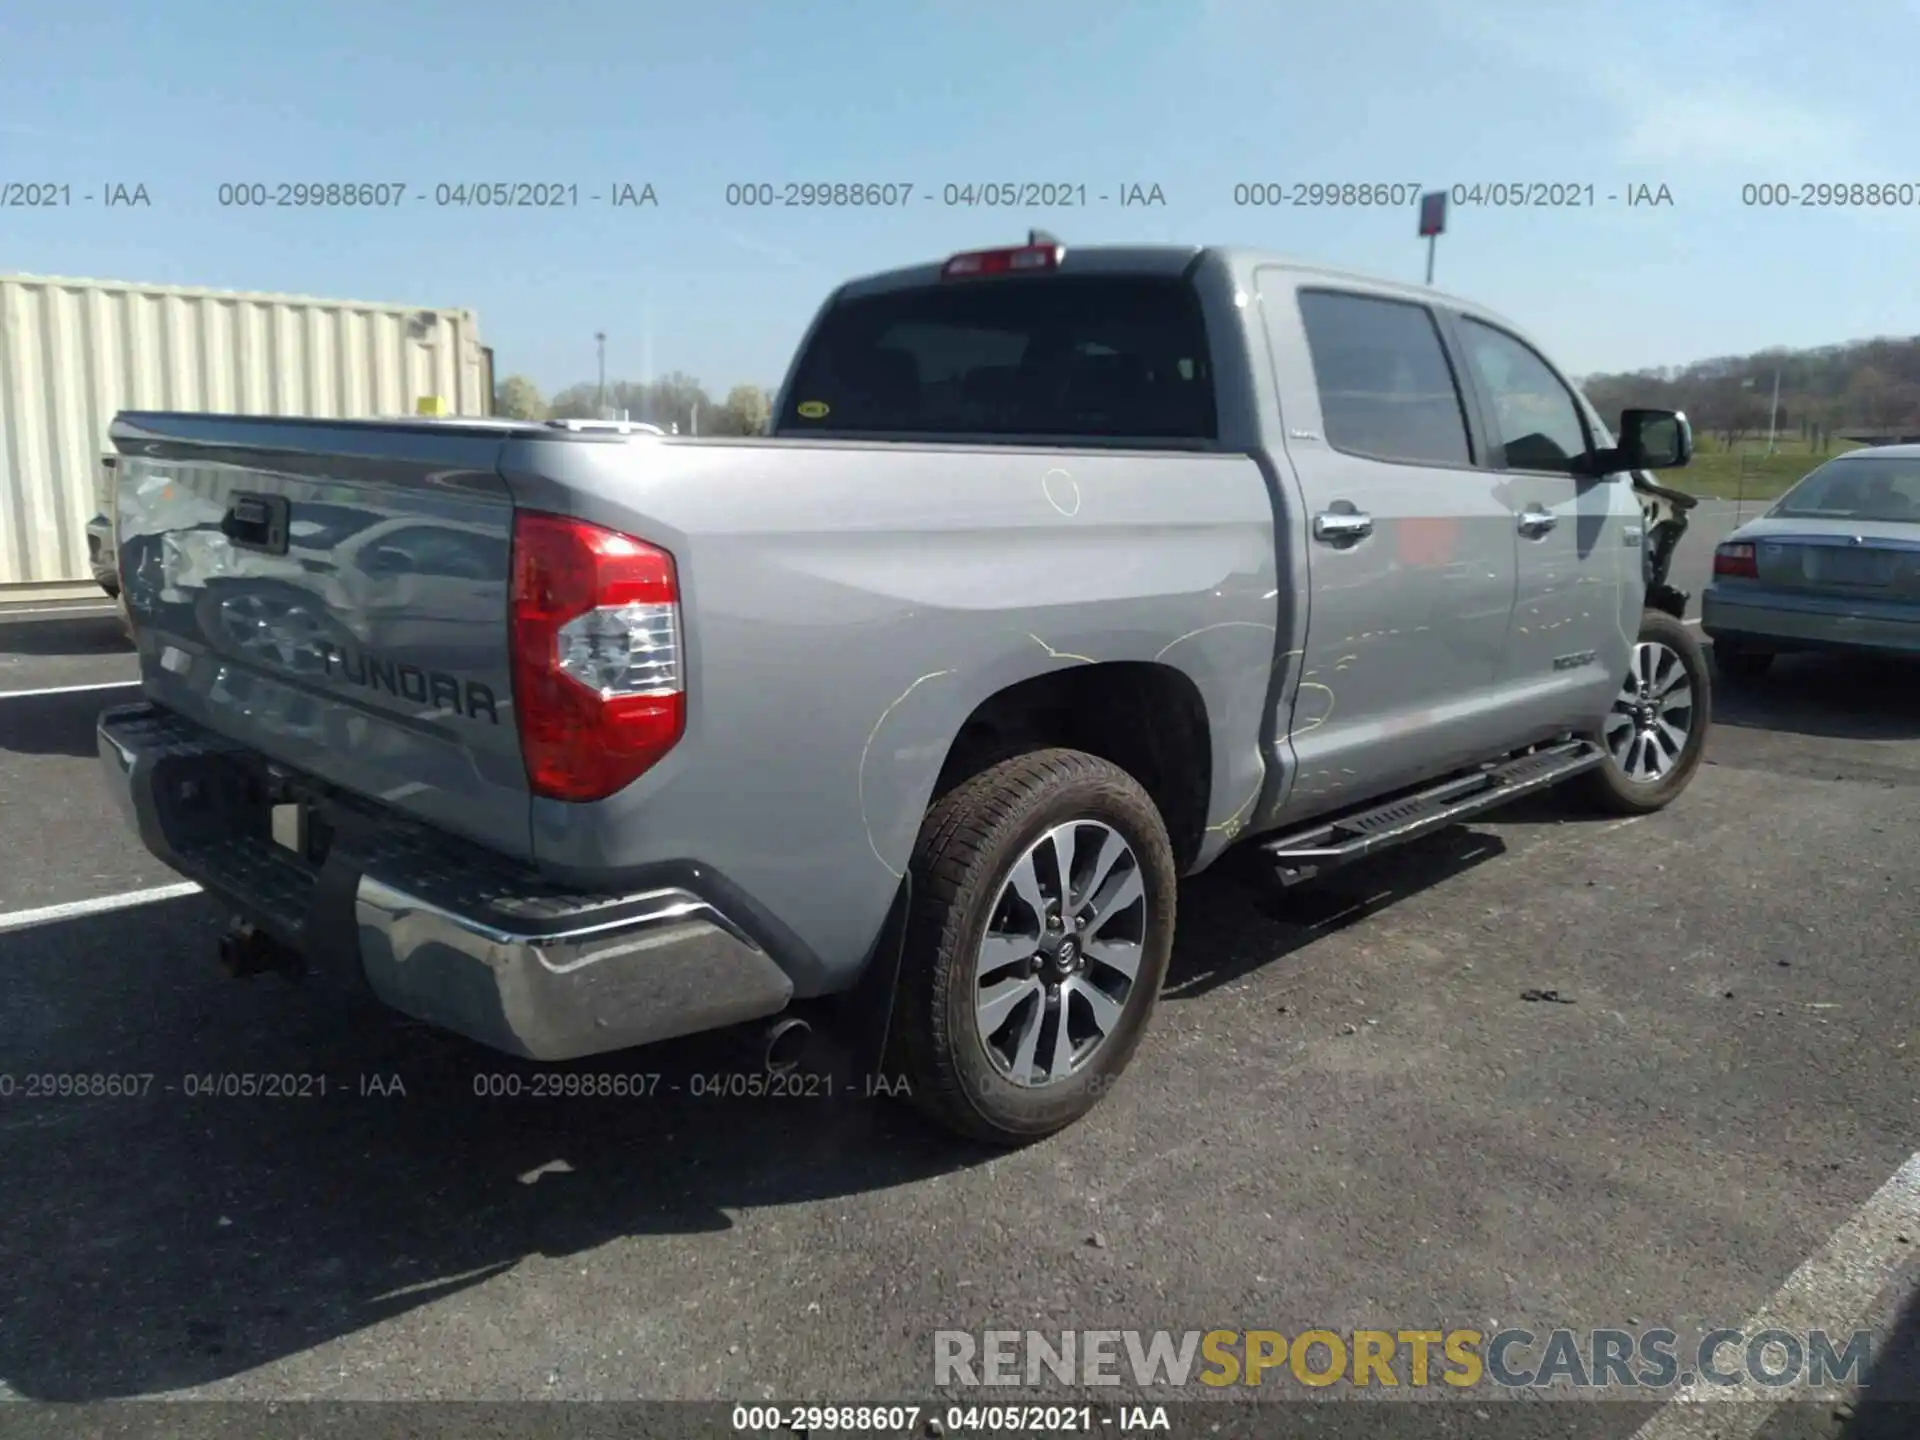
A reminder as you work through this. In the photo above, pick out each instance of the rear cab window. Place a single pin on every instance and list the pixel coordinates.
(1108, 359)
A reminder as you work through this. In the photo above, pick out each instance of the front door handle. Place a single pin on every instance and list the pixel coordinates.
(1341, 525)
(1536, 521)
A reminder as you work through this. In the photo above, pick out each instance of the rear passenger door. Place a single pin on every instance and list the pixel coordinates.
(1576, 609)
(1409, 551)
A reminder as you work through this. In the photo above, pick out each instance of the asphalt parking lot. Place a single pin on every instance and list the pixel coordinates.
(1345, 1115)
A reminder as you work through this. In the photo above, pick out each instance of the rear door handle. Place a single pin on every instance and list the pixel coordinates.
(1536, 521)
(1341, 525)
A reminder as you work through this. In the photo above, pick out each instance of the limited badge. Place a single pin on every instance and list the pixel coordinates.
(813, 409)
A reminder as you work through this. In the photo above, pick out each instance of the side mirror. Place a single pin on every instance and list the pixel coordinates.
(1649, 440)
(1655, 439)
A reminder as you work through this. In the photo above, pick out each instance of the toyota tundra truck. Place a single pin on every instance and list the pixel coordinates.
(1060, 572)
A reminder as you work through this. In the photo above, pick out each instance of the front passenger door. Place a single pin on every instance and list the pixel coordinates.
(1576, 609)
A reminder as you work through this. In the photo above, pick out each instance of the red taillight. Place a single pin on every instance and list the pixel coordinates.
(598, 683)
(1019, 259)
(1736, 558)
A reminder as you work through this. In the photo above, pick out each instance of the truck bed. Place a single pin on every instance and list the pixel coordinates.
(845, 605)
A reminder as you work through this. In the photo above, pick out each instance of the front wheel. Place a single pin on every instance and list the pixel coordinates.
(1043, 911)
(1656, 730)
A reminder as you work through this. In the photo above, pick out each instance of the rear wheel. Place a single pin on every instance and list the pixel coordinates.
(1043, 912)
(1656, 730)
(1736, 663)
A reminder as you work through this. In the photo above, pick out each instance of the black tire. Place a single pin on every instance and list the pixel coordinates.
(968, 846)
(1609, 788)
(1740, 665)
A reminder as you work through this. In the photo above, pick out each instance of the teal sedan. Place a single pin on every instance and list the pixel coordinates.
(1834, 566)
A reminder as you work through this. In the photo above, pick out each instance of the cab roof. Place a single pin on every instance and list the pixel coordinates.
(1170, 261)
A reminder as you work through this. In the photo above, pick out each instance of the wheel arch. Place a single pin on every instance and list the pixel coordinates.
(1147, 717)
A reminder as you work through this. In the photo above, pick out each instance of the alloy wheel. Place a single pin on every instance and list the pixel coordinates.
(1651, 721)
(1056, 966)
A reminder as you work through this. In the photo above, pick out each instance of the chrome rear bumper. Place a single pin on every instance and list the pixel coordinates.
(456, 938)
(671, 965)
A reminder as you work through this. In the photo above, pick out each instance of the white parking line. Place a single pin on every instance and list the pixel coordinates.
(1694, 621)
(68, 689)
(1831, 1292)
(87, 612)
(48, 914)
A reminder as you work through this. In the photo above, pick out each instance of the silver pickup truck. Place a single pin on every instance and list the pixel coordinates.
(1062, 571)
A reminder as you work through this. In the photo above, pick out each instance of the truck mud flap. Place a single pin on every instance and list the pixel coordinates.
(863, 1016)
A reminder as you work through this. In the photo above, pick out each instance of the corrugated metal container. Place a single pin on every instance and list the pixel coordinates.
(74, 352)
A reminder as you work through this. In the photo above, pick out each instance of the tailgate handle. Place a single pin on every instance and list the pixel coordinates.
(257, 522)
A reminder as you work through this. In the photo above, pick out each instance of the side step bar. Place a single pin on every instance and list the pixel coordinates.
(1303, 854)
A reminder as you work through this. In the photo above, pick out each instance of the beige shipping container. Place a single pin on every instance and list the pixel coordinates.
(75, 352)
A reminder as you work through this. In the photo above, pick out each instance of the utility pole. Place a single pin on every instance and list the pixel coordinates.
(1773, 411)
(600, 339)
(1773, 416)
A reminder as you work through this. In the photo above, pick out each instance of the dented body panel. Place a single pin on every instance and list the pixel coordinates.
(370, 650)
(847, 603)
(839, 635)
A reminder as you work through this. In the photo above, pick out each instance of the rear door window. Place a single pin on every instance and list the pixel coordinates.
(1069, 357)
(1387, 389)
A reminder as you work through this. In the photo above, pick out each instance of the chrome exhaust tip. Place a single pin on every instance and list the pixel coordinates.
(786, 1045)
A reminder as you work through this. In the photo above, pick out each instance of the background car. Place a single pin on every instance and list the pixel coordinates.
(101, 551)
(1833, 566)
(100, 554)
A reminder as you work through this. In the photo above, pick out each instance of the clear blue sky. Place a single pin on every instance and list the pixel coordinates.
(1192, 95)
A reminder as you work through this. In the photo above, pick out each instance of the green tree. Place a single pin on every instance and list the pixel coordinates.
(671, 400)
(745, 412)
(1828, 389)
(576, 402)
(518, 398)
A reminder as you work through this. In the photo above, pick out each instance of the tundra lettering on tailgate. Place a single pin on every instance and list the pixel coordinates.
(409, 682)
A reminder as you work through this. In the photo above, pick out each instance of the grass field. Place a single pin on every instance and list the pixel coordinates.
(1746, 471)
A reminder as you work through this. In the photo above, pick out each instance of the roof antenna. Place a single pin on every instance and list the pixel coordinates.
(1042, 237)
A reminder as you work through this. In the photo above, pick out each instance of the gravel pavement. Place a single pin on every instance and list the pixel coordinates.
(1344, 1115)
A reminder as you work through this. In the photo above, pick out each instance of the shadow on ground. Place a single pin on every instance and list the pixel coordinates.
(1234, 919)
(58, 724)
(1825, 696)
(1888, 1407)
(55, 635)
(180, 1235)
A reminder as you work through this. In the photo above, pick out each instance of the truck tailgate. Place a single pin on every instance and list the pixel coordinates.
(333, 595)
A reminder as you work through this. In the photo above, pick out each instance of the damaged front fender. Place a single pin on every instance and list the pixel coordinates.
(1666, 517)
